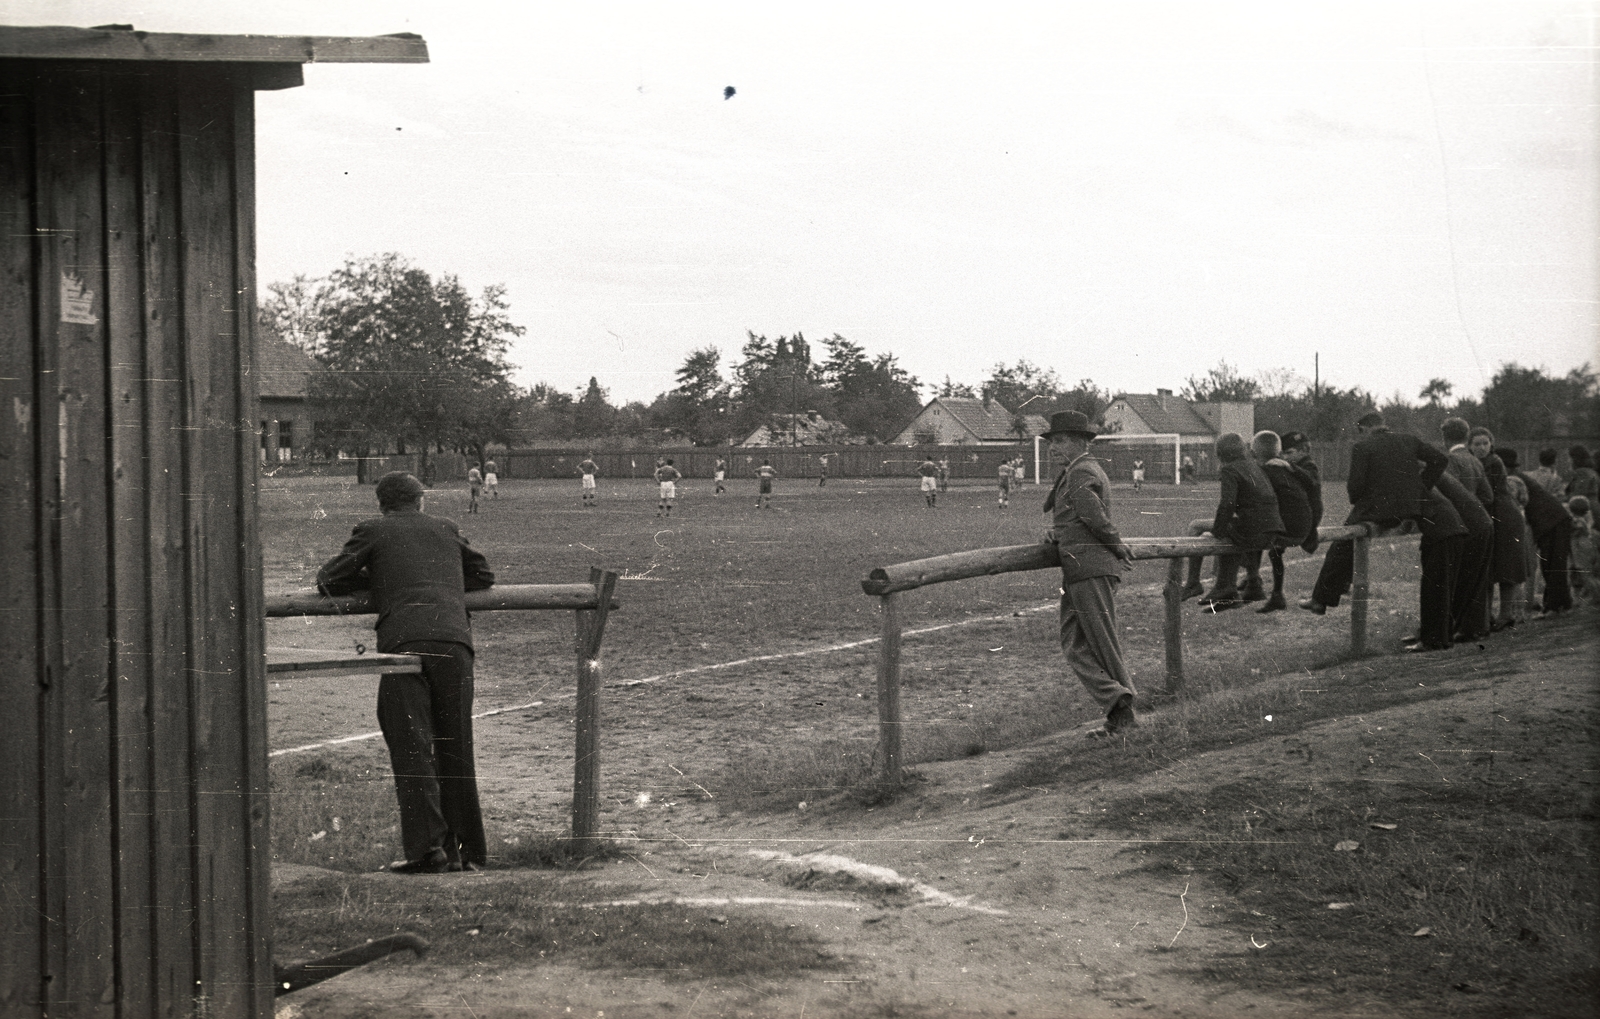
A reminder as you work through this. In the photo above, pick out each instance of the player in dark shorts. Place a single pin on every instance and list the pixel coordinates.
(765, 473)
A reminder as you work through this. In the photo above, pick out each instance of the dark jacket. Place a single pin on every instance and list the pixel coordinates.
(1081, 527)
(1477, 519)
(1439, 517)
(1544, 511)
(1299, 499)
(418, 568)
(1247, 512)
(1385, 483)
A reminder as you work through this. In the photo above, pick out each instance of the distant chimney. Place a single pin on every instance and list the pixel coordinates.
(1163, 392)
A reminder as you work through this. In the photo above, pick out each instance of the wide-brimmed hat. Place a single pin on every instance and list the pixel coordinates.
(1070, 422)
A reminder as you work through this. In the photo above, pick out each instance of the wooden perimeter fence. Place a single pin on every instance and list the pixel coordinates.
(590, 604)
(888, 582)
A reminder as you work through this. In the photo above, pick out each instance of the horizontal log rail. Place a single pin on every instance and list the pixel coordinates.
(888, 582)
(590, 603)
(502, 597)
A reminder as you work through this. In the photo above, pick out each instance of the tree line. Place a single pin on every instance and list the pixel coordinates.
(417, 364)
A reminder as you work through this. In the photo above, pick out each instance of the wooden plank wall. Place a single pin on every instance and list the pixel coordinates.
(133, 793)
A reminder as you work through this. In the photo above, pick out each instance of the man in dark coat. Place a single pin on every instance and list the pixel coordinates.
(418, 568)
(1299, 506)
(1385, 488)
(1470, 604)
(1443, 535)
(1552, 528)
(1093, 556)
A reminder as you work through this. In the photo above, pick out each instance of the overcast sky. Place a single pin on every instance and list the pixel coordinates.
(1125, 192)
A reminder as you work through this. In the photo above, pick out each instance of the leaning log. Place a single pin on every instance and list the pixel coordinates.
(309, 602)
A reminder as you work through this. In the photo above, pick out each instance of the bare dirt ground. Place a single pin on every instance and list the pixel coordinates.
(1042, 901)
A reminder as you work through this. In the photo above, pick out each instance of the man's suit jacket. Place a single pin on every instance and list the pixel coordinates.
(1468, 470)
(418, 569)
(1080, 504)
(1385, 483)
(1247, 512)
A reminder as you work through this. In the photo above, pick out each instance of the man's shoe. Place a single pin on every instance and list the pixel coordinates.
(1121, 716)
(1214, 606)
(1412, 641)
(1421, 648)
(1191, 591)
(1274, 604)
(436, 862)
(1313, 606)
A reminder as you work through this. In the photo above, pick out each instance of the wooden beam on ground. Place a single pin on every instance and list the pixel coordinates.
(503, 597)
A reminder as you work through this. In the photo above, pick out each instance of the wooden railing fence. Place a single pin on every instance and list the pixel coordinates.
(590, 603)
(888, 582)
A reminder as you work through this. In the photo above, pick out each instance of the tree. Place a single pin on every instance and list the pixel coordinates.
(1529, 403)
(699, 406)
(775, 378)
(1435, 391)
(407, 358)
(956, 389)
(290, 311)
(1014, 385)
(1222, 384)
(592, 415)
(872, 397)
(700, 378)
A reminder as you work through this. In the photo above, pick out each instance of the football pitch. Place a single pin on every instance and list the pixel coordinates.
(742, 660)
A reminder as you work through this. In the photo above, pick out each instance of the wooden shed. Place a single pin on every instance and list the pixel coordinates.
(133, 785)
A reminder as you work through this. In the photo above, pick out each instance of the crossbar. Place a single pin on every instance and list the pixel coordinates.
(504, 597)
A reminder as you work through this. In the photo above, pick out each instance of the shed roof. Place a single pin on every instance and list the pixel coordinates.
(1166, 414)
(123, 42)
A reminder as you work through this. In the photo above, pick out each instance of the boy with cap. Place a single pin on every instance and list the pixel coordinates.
(418, 568)
(1093, 557)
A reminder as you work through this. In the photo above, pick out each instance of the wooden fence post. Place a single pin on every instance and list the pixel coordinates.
(1172, 594)
(591, 626)
(1359, 588)
(889, 691)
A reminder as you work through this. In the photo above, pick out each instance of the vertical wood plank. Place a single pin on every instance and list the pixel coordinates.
(889, 691)
(134, 849)
(174, 947)
(252, 612)
(1172, 629)
(213, 486)
(1359, 590)
(71, 195)
(586, 750)
(22, 893)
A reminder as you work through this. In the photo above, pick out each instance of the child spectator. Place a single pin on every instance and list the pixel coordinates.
(1585, 481)
(1545, 475)
(1585, 577)
(1299, 506)
(1247, 516)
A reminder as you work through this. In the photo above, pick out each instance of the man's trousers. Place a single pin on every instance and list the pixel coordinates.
(1089, 638)
(1555, 554)
(426, 719)
(1469, 603)
(1440, 561)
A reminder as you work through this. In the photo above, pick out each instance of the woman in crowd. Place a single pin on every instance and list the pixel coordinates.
(1529, 604)
(1508, 564)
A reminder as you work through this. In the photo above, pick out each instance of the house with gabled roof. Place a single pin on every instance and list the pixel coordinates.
(966, 420)
(807, 428)
(1163, 413)
(283, 378)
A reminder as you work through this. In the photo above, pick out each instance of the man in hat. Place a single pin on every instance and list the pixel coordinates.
(1093, 557)
(1385, 486)
(418, 568)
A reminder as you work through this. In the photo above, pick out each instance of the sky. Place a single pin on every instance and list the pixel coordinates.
(1122, 192)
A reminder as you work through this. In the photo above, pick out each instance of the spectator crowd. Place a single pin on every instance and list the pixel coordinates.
(1499, 545)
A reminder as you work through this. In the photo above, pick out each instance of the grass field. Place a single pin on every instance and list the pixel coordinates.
(720, 581)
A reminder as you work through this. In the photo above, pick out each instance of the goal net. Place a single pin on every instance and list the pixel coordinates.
(1159, 452)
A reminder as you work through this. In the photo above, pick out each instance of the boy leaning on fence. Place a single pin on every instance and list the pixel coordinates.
(1093, 557)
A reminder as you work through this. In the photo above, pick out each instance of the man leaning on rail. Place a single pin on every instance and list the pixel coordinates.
(418, 568)
(1385, 487)
(1093, 555)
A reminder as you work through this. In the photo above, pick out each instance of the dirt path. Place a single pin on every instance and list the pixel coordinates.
(953, 902)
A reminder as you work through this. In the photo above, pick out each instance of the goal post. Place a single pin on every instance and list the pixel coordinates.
(1160, 452)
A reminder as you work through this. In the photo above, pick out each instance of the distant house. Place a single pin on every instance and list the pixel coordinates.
(965, 420)
(283, 373)
(805, 429)
(1163, 413)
